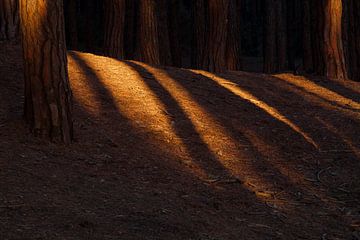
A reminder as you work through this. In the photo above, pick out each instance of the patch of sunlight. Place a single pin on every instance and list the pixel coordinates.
(234, 88)
(82, 90)
(136, 102)
(320, 91)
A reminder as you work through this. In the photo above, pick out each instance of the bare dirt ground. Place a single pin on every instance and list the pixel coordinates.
(166, 153)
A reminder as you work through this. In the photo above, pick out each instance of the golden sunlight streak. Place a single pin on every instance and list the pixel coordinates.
(234, 88)
(320, 91)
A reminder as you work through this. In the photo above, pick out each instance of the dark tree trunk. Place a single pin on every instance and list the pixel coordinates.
(275, 46)
(148, 33)
(163, 31)
(48, 107)
(114, 13)
(323, 44)
(71, 23)
(131, 22)
(335, 67)
(9, 19)
(233, 45)
(216, 35)
(200, 29)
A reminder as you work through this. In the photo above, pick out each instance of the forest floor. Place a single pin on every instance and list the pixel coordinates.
(167, 153)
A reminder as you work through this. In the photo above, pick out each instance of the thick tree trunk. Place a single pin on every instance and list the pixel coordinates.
(114, 13)
(233, 45)
(200, 30)
(323, 44)
(275, 45)
(131, 23)
(217, 35)
(335, 67)
(148, 33)
(163, 31)
(9, 19)
(48, 100)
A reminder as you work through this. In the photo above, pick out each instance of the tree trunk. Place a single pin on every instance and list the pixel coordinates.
(9, 19)
(335, 67)
(114, 13)
(174, 28)
(217, 35)
(48, 107)
(275, 46)
(148, 33)
(233, 45)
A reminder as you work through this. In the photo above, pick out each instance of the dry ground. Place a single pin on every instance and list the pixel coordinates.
(166, 153)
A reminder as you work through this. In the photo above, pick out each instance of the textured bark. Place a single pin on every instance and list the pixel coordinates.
(114, 13)
(71, 23)
(275, 45)
(148, 32)
(217, 42)
(200, 30)
(335, 67)
(48, 107)
(233, 45)
(9, 19)
(323, 45)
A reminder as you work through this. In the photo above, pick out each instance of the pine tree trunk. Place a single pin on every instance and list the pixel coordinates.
(48, 107)
(148, 33)
(335, 67)
(200, 29)
(162, 11)
(9, 19)
(114, 13)
(275, 46)
(233, 45)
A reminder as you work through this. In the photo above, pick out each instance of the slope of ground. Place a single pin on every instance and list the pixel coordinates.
(165, 153)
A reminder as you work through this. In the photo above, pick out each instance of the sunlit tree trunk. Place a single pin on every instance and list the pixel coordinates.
(9, 19)
(323, 44)
(335, 67)
(148, 32)
(48, 108)
(114, 14)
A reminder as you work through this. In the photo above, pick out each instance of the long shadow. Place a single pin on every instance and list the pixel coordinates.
(198, 149)
(292, 152)
(208, 162)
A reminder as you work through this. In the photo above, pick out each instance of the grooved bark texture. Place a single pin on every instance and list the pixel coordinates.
(48, 108)
(9, 19)
(275, 45)
(323, 44)
(114, 13)
(335, 67)
(216, 35)
(148, 32)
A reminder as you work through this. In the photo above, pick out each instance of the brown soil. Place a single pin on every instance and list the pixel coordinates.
(166, 153)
